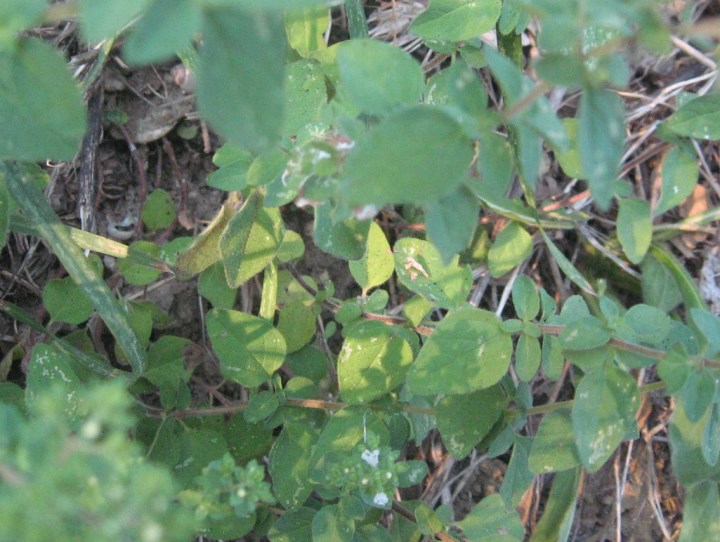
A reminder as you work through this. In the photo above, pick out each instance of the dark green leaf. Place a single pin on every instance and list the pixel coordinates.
(290, 463)
(137, 273)
(466, 352)
(50, 367)
(234, 163)
(41, 107)
(159, 210)
(698, 393)
(249, 348)
(329, 525)
(387, 166)
(242, 69)
(687, 457)
(261, 406)
(464, 420)
(297, 324)
(567, 267)
(293, 526)
(344, 239)
(380, 78)
(447, 220)
(552, 357)
(527, 357)
(679, 177)
(557, 518)
(306, 95)
(659, 288)
(66, 302)
(517, 476)
(553, 449)
(212, 285)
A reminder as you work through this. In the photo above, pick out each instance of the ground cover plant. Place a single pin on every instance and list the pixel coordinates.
(436, 237)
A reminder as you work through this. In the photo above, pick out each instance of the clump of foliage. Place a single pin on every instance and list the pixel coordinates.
(349, 130)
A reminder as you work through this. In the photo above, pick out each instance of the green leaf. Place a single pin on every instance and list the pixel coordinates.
(66, 302)
(466, 352)
(710, 443)
(685, 283)
(373, 361)
(387, 166)
(709, 325)
(205, 249)
(289, 465)
(527, 357)
(553, 449)
(234, 163)
(456, 20)
(464, 420)
(377, 264)
(344, 239)
(525, 298)
(306, 29)
(330, 525)
(242, 69)
(648, 324)
(659, 288)
(601, 139)
(103, 19)
(557, 518)
(447, 220)
(380, 78)
(698, 393)
(492, 521)
(137, 273)
(584, 333)
(552, 358)
(567, 267)
(159, 211)
(4, 212)
(297, 325)
(250, 240)
(50, 367)
(604, 411)
(686, 442)
(701, 513)
(675, 370)
(293, 526)
(41, 107)
(679, 177)
(419, 268)
(213, 286)
(167, 26)
(17, 15)
(511, 247)
(291, 248)
(699, 118)
(306, 95)
(570, 158)
(517, 476)
(30, 197)
(249, 348)
(634, 226)
(261, 406)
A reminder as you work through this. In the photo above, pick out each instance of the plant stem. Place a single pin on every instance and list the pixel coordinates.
(357, 23)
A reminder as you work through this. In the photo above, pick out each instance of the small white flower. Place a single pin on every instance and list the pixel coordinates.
(380, 499)
(371, 457)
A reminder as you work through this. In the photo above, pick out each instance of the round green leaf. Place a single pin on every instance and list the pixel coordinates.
(159, 211)
(466, 352)
(511, 247)
(249, 348)
(66, 302)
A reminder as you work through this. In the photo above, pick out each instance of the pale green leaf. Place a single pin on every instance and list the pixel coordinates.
(242, 70)
(102, 19)
(584, 333)
(701, 513)
(659, 288)
(306, 95)
(306, 29)
(420, 268)
(166, 27)
(378, 77)
(709, 326)
(297, 324)
(49, 367)
(699, 118)
(480, 410)
(467, 351)
(679, 177)
(377, 264)
(330, 525)
(373, 361)
(213, 286)
(387, 166)
(456, 20)
(42, 112)
(606, 402)
(249, 348)
(159, 210)
(344, 239)
(634, 226)
(511, 247)
(601, 140)
(559, 512)
(492, 521)
(234, 163)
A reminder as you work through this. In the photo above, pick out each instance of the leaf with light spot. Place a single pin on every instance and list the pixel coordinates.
(603, 414)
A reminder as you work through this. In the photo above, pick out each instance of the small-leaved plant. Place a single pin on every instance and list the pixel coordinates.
(318, 451)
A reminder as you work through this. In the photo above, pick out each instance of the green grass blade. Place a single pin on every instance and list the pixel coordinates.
(33, 203)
